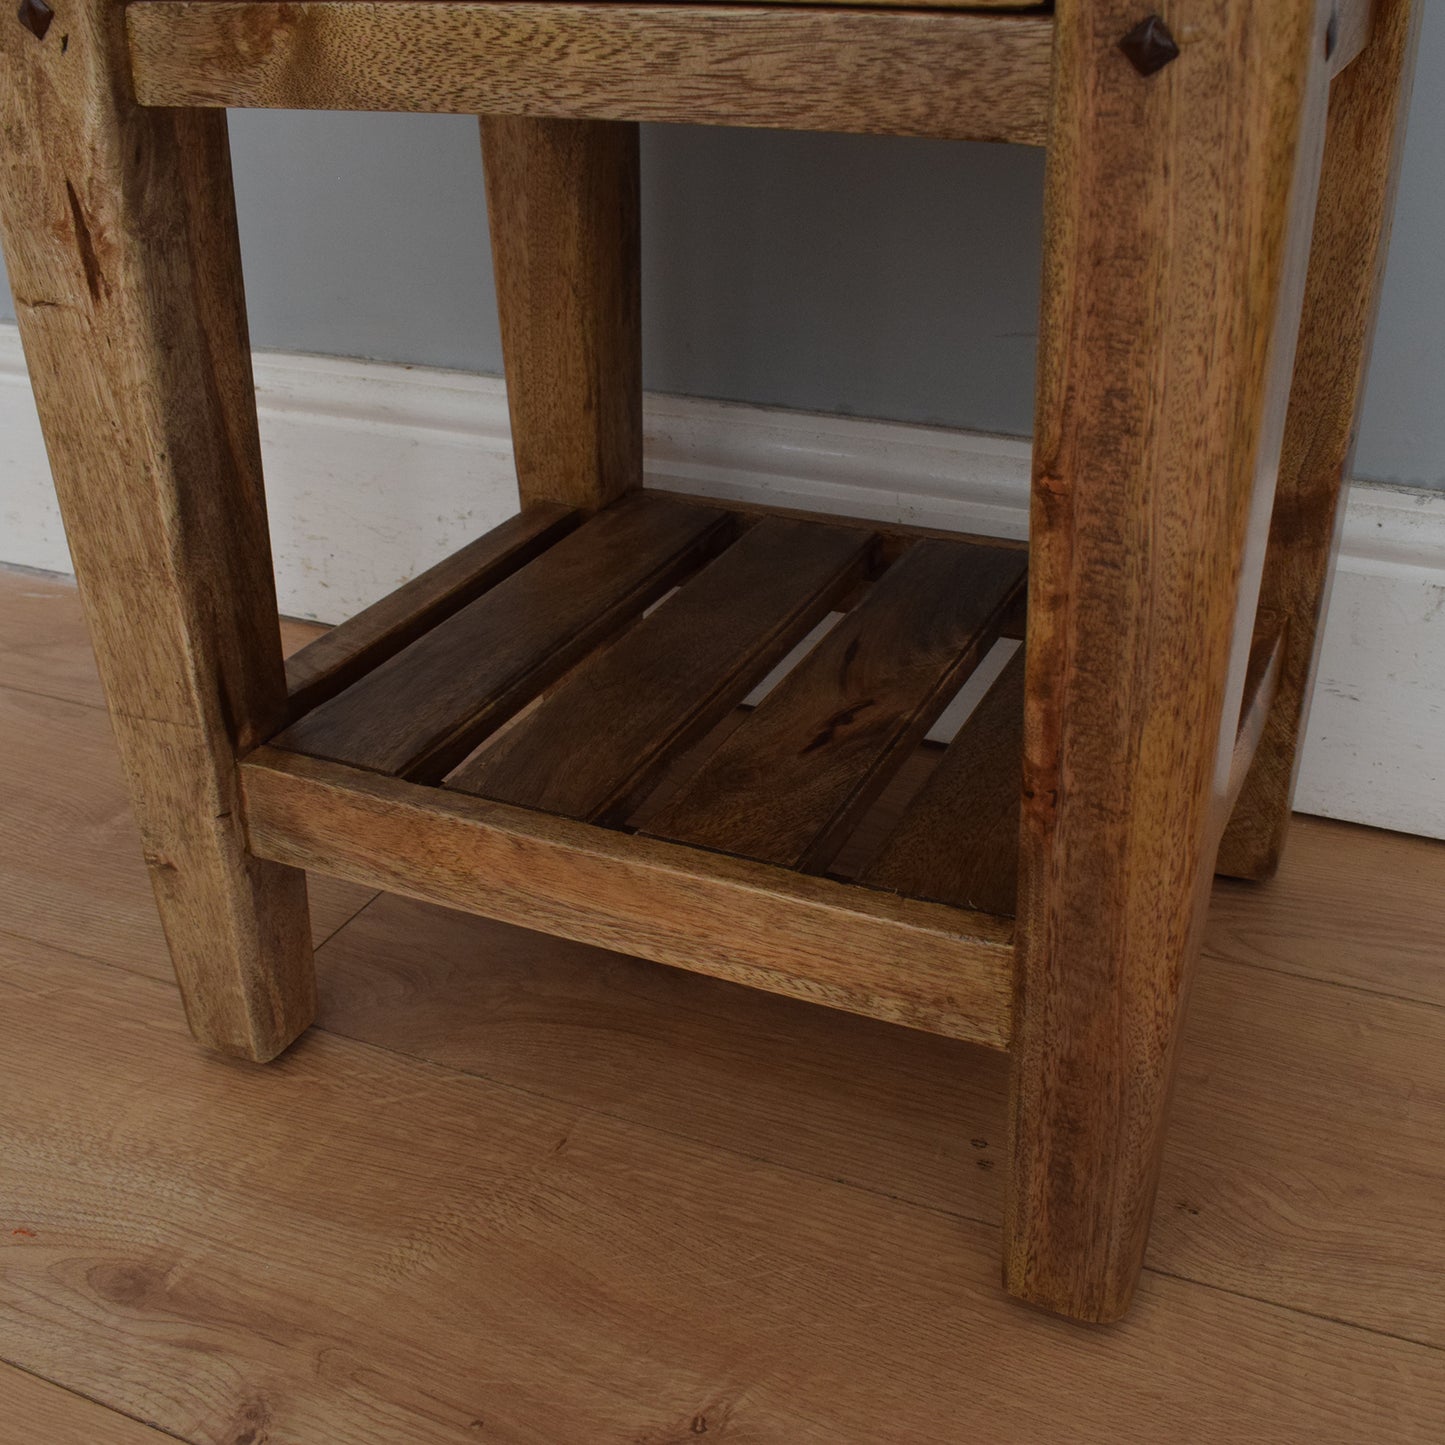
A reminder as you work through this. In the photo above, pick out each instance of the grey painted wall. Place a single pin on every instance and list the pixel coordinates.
(892, 278)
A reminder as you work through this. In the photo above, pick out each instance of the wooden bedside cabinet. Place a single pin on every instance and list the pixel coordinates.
(548, 728)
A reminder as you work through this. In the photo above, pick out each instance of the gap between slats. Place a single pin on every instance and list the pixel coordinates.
(422, 711)
(591, 749)
(791, 781)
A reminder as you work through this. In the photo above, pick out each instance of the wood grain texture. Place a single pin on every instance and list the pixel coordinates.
(422, 711)
(398, 1222)
(1177, 224)
(953, 75)
(341, 655)
(1302, 1165)
(32, 1409)
(1351, 235)
(791, 781)
(1376, 929)
(919, 964)
(595, 744)
(563, 210)
(896, 537)
(958, 842)
(119, 235)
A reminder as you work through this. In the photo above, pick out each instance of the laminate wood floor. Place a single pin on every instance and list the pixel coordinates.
(512, 1189)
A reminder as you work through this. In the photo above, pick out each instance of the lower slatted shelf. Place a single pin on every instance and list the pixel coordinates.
(659, 728)
(694, 733)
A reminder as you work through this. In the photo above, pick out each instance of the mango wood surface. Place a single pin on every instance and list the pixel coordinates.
(1177, 223)
(421, 712)
(919, 964)
(958, 841)
(912, 72)
(594, 745)
(563, 211)
(338, 657)
(119, 236)
(1351, 234)
(790, 782)
(896, 537)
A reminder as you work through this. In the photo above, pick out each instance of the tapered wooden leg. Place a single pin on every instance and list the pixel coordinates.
(1362, 149)
(562, 203)
(1178, 207)
(120, 241)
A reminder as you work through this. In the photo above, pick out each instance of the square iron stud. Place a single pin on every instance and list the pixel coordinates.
(35, 16)
(1150, 46)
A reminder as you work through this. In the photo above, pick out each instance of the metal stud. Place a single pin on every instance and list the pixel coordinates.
(35, 16)
(1150, 46)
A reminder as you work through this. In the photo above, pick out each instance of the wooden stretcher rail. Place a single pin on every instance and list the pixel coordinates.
(939, 969)
(945, 73)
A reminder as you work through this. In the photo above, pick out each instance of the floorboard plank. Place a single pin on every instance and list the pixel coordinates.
(35, 1412)
(348, 1246)
(70, 857)
(1357, 906)
(44, 647)
(1304, 1166)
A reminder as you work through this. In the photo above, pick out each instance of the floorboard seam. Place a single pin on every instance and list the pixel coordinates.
(1298, 1310)
(100, 1404)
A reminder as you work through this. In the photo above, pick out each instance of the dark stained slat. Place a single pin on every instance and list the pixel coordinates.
(592, 748)
(958, 840)
(339, 657)
(422, 711)
(792, 780)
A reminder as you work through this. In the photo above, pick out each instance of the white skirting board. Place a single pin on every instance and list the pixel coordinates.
(375, 471)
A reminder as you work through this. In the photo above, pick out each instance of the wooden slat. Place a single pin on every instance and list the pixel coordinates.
(593, 746)
(422, 711)
(340, 656)
(789, 783)
(958, 842)
(948, 74)
(932, 968)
